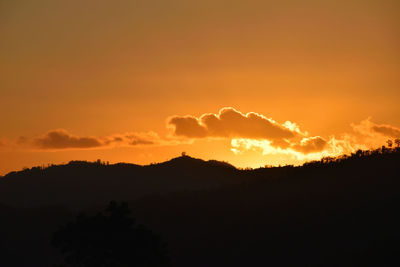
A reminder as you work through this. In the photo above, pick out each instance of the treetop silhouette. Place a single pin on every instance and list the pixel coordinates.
(110, 239)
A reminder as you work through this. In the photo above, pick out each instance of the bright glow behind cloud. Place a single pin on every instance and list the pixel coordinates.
(253, 138)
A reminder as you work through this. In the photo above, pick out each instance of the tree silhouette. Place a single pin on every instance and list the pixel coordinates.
(389, 143)
(110, 239)
(397, 142)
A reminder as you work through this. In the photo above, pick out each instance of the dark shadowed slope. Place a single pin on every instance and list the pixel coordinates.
(81, 184)
(338, 212)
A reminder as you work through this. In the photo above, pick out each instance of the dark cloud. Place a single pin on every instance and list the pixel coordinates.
(133, 139)
(61, 139)
(188, 127)
(232, 124)
(22, 140)
(136, 139)
(374, 130)
(311, 145)
(281, 143)
(117, 139)
(141, 142)
(387, 130)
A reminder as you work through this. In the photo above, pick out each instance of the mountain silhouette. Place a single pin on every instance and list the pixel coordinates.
(334, 212)
(81, 183)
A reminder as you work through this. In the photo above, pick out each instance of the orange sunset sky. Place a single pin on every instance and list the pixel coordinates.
(248, 82)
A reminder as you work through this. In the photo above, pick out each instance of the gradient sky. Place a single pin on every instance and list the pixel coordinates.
(101, 79)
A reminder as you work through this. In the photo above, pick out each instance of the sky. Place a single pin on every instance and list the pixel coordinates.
(253, 83)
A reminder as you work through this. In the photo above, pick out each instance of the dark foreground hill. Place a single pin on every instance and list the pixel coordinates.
(81, 184)
(336, 212)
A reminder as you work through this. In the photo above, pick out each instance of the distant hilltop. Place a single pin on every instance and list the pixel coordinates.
(82, 183)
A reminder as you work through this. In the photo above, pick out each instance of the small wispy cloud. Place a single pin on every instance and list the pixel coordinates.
(61, 139)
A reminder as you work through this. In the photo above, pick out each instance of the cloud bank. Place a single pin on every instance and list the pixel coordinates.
(365, 135)
(61, 139)
(246, 132)
(235, 125)
(253, 131)
(310, 145)
(230, 123)
(369, 128)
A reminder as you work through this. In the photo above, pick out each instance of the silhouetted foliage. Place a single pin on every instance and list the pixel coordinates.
(397, 142)
(389, 143)
(110, 239)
